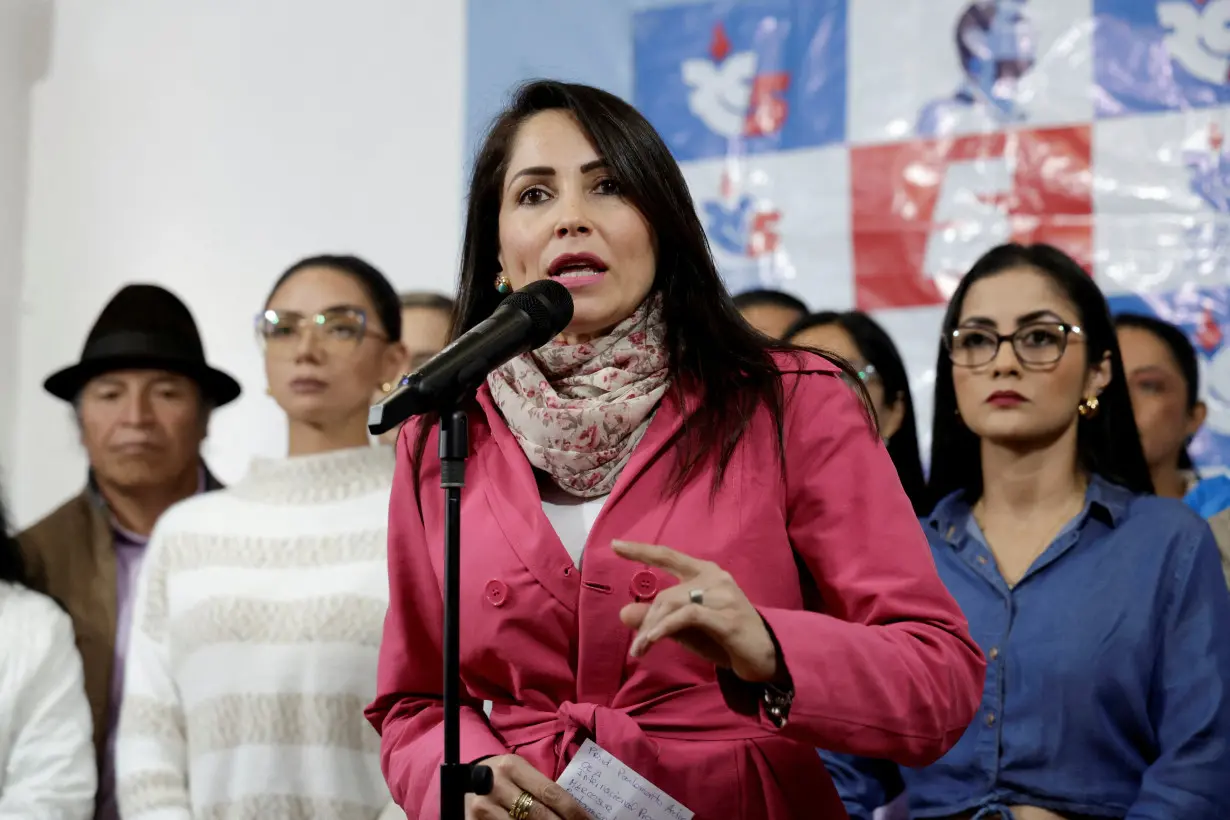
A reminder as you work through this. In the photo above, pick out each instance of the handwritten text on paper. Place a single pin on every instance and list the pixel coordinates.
(609, 790)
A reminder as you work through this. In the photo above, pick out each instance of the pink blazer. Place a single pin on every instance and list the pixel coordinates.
(830, 553)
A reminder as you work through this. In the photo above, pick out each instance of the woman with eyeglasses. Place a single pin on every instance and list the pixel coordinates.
(260, 607)
(1100, 607)
(859, 339)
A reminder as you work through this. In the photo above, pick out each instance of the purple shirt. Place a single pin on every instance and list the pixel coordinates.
(129, 554)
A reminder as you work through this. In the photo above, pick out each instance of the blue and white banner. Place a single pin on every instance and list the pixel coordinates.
(863, 154)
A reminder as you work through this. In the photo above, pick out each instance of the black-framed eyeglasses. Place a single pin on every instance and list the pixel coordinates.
(337, 329)
(1037, 343)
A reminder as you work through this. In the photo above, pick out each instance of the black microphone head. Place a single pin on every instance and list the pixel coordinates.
(549, 306)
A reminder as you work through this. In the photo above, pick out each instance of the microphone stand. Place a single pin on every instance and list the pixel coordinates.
(457, 779)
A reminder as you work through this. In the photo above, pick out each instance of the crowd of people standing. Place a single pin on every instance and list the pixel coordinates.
(698, 532)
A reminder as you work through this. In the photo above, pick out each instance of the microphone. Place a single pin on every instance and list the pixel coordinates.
(527, 319)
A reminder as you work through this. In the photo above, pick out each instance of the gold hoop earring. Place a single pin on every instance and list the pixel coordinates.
(503, 284)
(1088, 408)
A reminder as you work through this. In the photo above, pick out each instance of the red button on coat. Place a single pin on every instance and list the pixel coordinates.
(644, 584)
(497, 593)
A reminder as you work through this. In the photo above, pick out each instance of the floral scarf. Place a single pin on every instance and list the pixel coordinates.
(578, 410)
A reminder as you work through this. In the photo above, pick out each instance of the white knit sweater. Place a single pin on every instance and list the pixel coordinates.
(256, 629)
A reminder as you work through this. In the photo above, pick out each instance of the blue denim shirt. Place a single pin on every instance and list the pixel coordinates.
(1107, 672)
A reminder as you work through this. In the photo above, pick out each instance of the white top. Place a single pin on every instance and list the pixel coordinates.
(572, 517)
(256, 630)
(47, 768)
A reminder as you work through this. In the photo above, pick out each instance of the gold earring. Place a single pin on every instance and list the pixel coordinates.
(268, 390)
(387, 387)
(1088, 408)
(502, 284)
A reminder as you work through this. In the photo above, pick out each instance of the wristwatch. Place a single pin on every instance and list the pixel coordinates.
(777, 704)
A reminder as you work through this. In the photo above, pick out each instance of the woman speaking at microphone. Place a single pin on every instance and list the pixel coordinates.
(681, 540)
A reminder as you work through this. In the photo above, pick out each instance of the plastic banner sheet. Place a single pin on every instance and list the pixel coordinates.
(863, 153)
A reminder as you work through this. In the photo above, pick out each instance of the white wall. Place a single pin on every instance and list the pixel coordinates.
(205, 146)
(24, 36)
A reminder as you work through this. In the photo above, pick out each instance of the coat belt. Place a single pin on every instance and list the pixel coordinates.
(631, 732)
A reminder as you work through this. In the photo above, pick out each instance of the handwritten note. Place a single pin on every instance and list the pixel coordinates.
(609, 790)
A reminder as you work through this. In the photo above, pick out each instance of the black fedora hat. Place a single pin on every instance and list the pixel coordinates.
(144, 327)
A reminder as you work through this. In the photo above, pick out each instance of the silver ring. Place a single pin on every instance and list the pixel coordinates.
(697, 596)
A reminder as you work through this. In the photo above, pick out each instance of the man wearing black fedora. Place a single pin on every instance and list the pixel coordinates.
(142, 394)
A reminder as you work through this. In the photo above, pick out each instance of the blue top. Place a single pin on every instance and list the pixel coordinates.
(1107, 672)
(1210, 496)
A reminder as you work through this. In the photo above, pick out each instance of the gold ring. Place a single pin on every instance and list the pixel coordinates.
(522, 807)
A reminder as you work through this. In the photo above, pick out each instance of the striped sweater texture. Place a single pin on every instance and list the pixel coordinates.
(256, 629)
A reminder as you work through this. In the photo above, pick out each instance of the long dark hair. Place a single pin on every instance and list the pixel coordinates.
(1107, 444)
(713, 354)
(12, 566)
(876, 346)
(1181, 350)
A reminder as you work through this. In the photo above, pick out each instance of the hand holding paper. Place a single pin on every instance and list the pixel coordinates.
(513, 777)
(609, 790)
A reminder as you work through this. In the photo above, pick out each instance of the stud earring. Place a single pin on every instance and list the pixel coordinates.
(1088, 408)
(502, 284)
(268, 390)
(387, 387)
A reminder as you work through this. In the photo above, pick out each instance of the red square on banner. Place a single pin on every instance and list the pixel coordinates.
(924, 211)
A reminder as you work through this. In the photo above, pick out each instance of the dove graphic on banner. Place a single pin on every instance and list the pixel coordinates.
(1198, 37)
(754, 77)
(1164, 55)
(721, 87)
(730, 97)
(736, 227)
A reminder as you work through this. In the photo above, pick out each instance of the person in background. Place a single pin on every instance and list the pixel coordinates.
(425, 322)
(1163, 374)
(260, 606)
(142, 395)
(47, 766)
(1100, 606)
(426, 319)
(859, 339)
(772, 312)
(653, 499)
